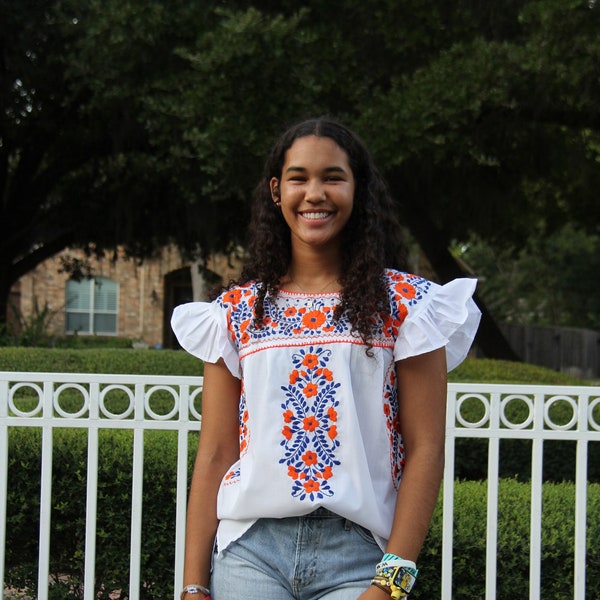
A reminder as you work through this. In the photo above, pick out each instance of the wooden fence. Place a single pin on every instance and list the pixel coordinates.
(566, 349)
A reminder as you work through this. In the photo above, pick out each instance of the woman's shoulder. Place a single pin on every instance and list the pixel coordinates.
(407, 287)
(237, 294)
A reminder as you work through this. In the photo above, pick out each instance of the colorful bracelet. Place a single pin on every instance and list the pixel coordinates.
(384, 584)
(392, 560)
(195, 588)
(395, 575)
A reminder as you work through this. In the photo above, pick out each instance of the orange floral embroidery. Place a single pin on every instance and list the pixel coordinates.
(402, 313)
(232, 296)
(326, 373)
(310, 423)
(392, 418)
(310, 361)
(406, 290)
(313, 319)
(310, 390)
(312, 486)
(327, 472)
(309, 410)
(309, 457)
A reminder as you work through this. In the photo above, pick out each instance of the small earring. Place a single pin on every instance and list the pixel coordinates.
(276, 196)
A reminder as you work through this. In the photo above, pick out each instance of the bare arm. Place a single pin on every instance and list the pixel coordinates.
(422, 392)
(218, 450)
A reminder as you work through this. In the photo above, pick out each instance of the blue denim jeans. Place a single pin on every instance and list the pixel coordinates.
(317, 556)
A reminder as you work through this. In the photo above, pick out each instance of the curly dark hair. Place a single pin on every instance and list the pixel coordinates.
(371, 241)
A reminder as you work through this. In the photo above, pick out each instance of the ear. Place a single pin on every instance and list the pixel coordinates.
(275, 193)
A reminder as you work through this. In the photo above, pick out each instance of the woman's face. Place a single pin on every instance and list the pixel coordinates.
(316, 191)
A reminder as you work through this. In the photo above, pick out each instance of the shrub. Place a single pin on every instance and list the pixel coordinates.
(99, 360)
(114, 495)
(505, 371)
(91, 341)
(113, 509)
(559, 457)
(158, 527)
(558, 525)
(29, 331)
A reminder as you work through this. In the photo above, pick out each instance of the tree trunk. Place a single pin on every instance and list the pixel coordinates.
(4, 298)
(434, 244)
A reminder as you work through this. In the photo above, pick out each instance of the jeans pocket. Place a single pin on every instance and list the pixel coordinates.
(364, 533)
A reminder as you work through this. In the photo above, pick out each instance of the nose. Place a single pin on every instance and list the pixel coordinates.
(315, 191)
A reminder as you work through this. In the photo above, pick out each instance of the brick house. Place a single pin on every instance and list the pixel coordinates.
(124, 297)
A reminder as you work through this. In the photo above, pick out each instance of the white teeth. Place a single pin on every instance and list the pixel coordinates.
(315, 215)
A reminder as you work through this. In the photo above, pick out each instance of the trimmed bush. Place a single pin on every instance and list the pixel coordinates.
(559, 457)
(178, 362)
(473, 370)
(158, 514)
(99, 360)
(114, 511)
(114, 494)
(91, 341)
(558, 523)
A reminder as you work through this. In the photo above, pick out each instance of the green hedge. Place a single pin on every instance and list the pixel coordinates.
(178, 362)
(99, 360)
(558, 520)
(114, 511)
(488, 370)
(114, 517)
(559, 457)
(91, 341)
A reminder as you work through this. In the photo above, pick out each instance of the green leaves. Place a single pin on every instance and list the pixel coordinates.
(145, 123)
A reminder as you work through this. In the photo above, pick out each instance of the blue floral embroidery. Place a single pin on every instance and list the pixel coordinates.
(310, 430)
(287, 318)
(391, 411)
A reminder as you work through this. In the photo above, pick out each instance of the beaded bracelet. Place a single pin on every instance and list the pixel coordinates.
(384, 584)
(195, 588)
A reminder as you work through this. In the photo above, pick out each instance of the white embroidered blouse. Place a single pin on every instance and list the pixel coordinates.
(318, 418)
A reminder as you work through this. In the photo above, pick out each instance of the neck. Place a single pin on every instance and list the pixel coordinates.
(312, 270)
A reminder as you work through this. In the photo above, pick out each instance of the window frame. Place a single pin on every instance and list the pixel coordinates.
(91, 311)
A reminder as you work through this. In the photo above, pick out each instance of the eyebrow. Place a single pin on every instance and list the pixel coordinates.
(333, 169)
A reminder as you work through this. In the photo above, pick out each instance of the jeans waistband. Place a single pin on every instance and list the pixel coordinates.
(321, 513)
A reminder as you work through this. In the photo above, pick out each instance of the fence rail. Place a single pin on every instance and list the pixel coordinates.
(536, 423)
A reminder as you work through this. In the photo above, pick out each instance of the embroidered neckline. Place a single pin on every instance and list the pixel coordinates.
(310, 297)
(307, 294)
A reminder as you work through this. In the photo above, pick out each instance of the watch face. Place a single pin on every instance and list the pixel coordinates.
(404, 579)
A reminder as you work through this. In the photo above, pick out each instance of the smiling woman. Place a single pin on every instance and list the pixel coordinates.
(316, 197)
(323, 419)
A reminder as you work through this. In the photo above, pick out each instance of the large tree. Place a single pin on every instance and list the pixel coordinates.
(141, 123)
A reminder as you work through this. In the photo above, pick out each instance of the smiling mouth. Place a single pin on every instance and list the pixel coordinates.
(315, 216)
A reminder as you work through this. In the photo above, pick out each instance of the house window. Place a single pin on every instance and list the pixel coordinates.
(91, 306)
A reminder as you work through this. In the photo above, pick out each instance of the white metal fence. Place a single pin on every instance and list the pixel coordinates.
(535, 422)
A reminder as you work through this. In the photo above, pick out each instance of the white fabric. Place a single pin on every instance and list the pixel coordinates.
(318, 422)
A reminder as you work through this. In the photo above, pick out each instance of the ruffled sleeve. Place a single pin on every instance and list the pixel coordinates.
(201, 328)
(446, 316)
